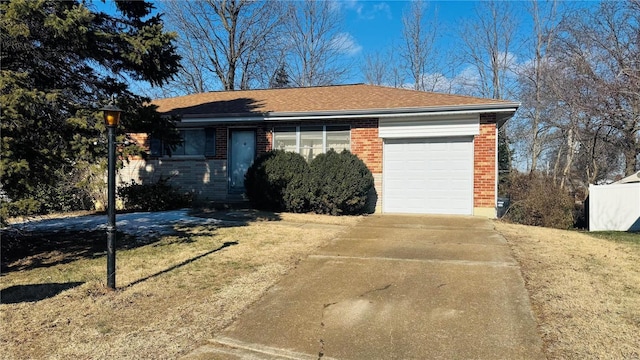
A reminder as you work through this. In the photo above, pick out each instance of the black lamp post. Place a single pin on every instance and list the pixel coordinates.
(111, 119)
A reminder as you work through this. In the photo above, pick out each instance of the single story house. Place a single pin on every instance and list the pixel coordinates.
(429, 153)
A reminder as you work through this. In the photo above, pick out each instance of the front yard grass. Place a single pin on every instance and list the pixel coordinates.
(174, 292)
(584, 289)
(622, 236)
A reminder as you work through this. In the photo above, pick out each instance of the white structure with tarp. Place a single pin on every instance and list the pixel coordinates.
(615, 207)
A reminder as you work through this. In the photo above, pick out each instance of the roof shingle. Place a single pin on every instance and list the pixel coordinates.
(356, 97)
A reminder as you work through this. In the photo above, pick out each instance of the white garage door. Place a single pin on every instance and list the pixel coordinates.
(428, 176)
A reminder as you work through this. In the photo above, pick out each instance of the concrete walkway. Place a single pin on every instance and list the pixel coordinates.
(393, 287)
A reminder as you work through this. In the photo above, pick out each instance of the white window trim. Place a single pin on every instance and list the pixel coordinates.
(324, 138)
(324, 135)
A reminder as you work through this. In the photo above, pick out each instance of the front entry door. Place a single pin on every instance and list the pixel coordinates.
(243, 151)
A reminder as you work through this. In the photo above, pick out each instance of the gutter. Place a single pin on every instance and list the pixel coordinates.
(504, 111)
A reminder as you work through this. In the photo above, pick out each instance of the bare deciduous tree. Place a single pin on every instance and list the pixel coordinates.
(375, 69)
(315, 43)
(224, 42)
(487, 48)
(600, 50)
(533, 78)
(382, 68)
(417, 51)
(488, 41)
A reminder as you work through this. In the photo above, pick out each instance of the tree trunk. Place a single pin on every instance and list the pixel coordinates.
(568, 159)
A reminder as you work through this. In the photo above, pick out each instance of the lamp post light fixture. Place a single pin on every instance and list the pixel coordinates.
(111, 120)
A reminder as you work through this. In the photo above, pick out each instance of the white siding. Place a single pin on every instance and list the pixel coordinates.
(421, 127)
(614, 207)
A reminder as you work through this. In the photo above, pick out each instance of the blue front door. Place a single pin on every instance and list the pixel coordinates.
(241, 156)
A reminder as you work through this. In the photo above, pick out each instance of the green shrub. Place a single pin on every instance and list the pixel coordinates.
(340, 184)
(45, 199)
(537, 200)
(276, 181)
(337, 184)
(297, 194)
(23, 207)
(64, 197)
(157, 196)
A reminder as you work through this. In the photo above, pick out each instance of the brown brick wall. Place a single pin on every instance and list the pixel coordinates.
(366, 144)
(221, 143)
(140, 139)
(364, 139)
(263, 140)
(484, 174)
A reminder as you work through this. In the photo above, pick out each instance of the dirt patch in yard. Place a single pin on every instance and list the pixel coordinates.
(175, 292)
(585, 291)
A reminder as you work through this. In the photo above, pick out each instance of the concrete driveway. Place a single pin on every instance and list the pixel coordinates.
(393, 287)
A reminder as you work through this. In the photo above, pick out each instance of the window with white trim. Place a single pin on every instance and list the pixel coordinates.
(195, 142)
(311, 140)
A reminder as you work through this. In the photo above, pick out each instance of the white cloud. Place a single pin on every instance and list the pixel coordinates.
(367, 10)
(351, 4)
(435, 82)
(384, 9)
(467, 79)
(346, 44)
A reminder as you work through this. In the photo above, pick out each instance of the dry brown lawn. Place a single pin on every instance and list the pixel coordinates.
(585, 291)
(173, 294)
(177, 292)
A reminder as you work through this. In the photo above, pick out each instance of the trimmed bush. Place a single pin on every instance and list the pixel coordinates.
(537, 200)
(340, 184)
(158, 196)
(276, 181)
(336, 184)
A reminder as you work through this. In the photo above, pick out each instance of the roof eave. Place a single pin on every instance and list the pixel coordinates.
(391, 112)
(504, 111)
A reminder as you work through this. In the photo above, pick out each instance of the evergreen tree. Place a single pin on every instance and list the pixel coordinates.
(61, 62)
(504, 161)
(280, 78)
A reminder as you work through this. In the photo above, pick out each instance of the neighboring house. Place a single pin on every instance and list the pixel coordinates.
(615, 207)
(429, 153)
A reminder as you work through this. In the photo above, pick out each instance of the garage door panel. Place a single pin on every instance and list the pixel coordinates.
(430, 176)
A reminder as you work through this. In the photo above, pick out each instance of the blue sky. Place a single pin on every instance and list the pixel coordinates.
(376, 25)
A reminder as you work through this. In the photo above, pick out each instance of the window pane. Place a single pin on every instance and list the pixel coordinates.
(210, 142)
(194, 141)
(179, 150)
(285, 139)
(155, 146)
(310, 141)
(338, 138)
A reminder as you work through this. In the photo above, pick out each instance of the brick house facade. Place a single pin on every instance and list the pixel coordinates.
(208, 176)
